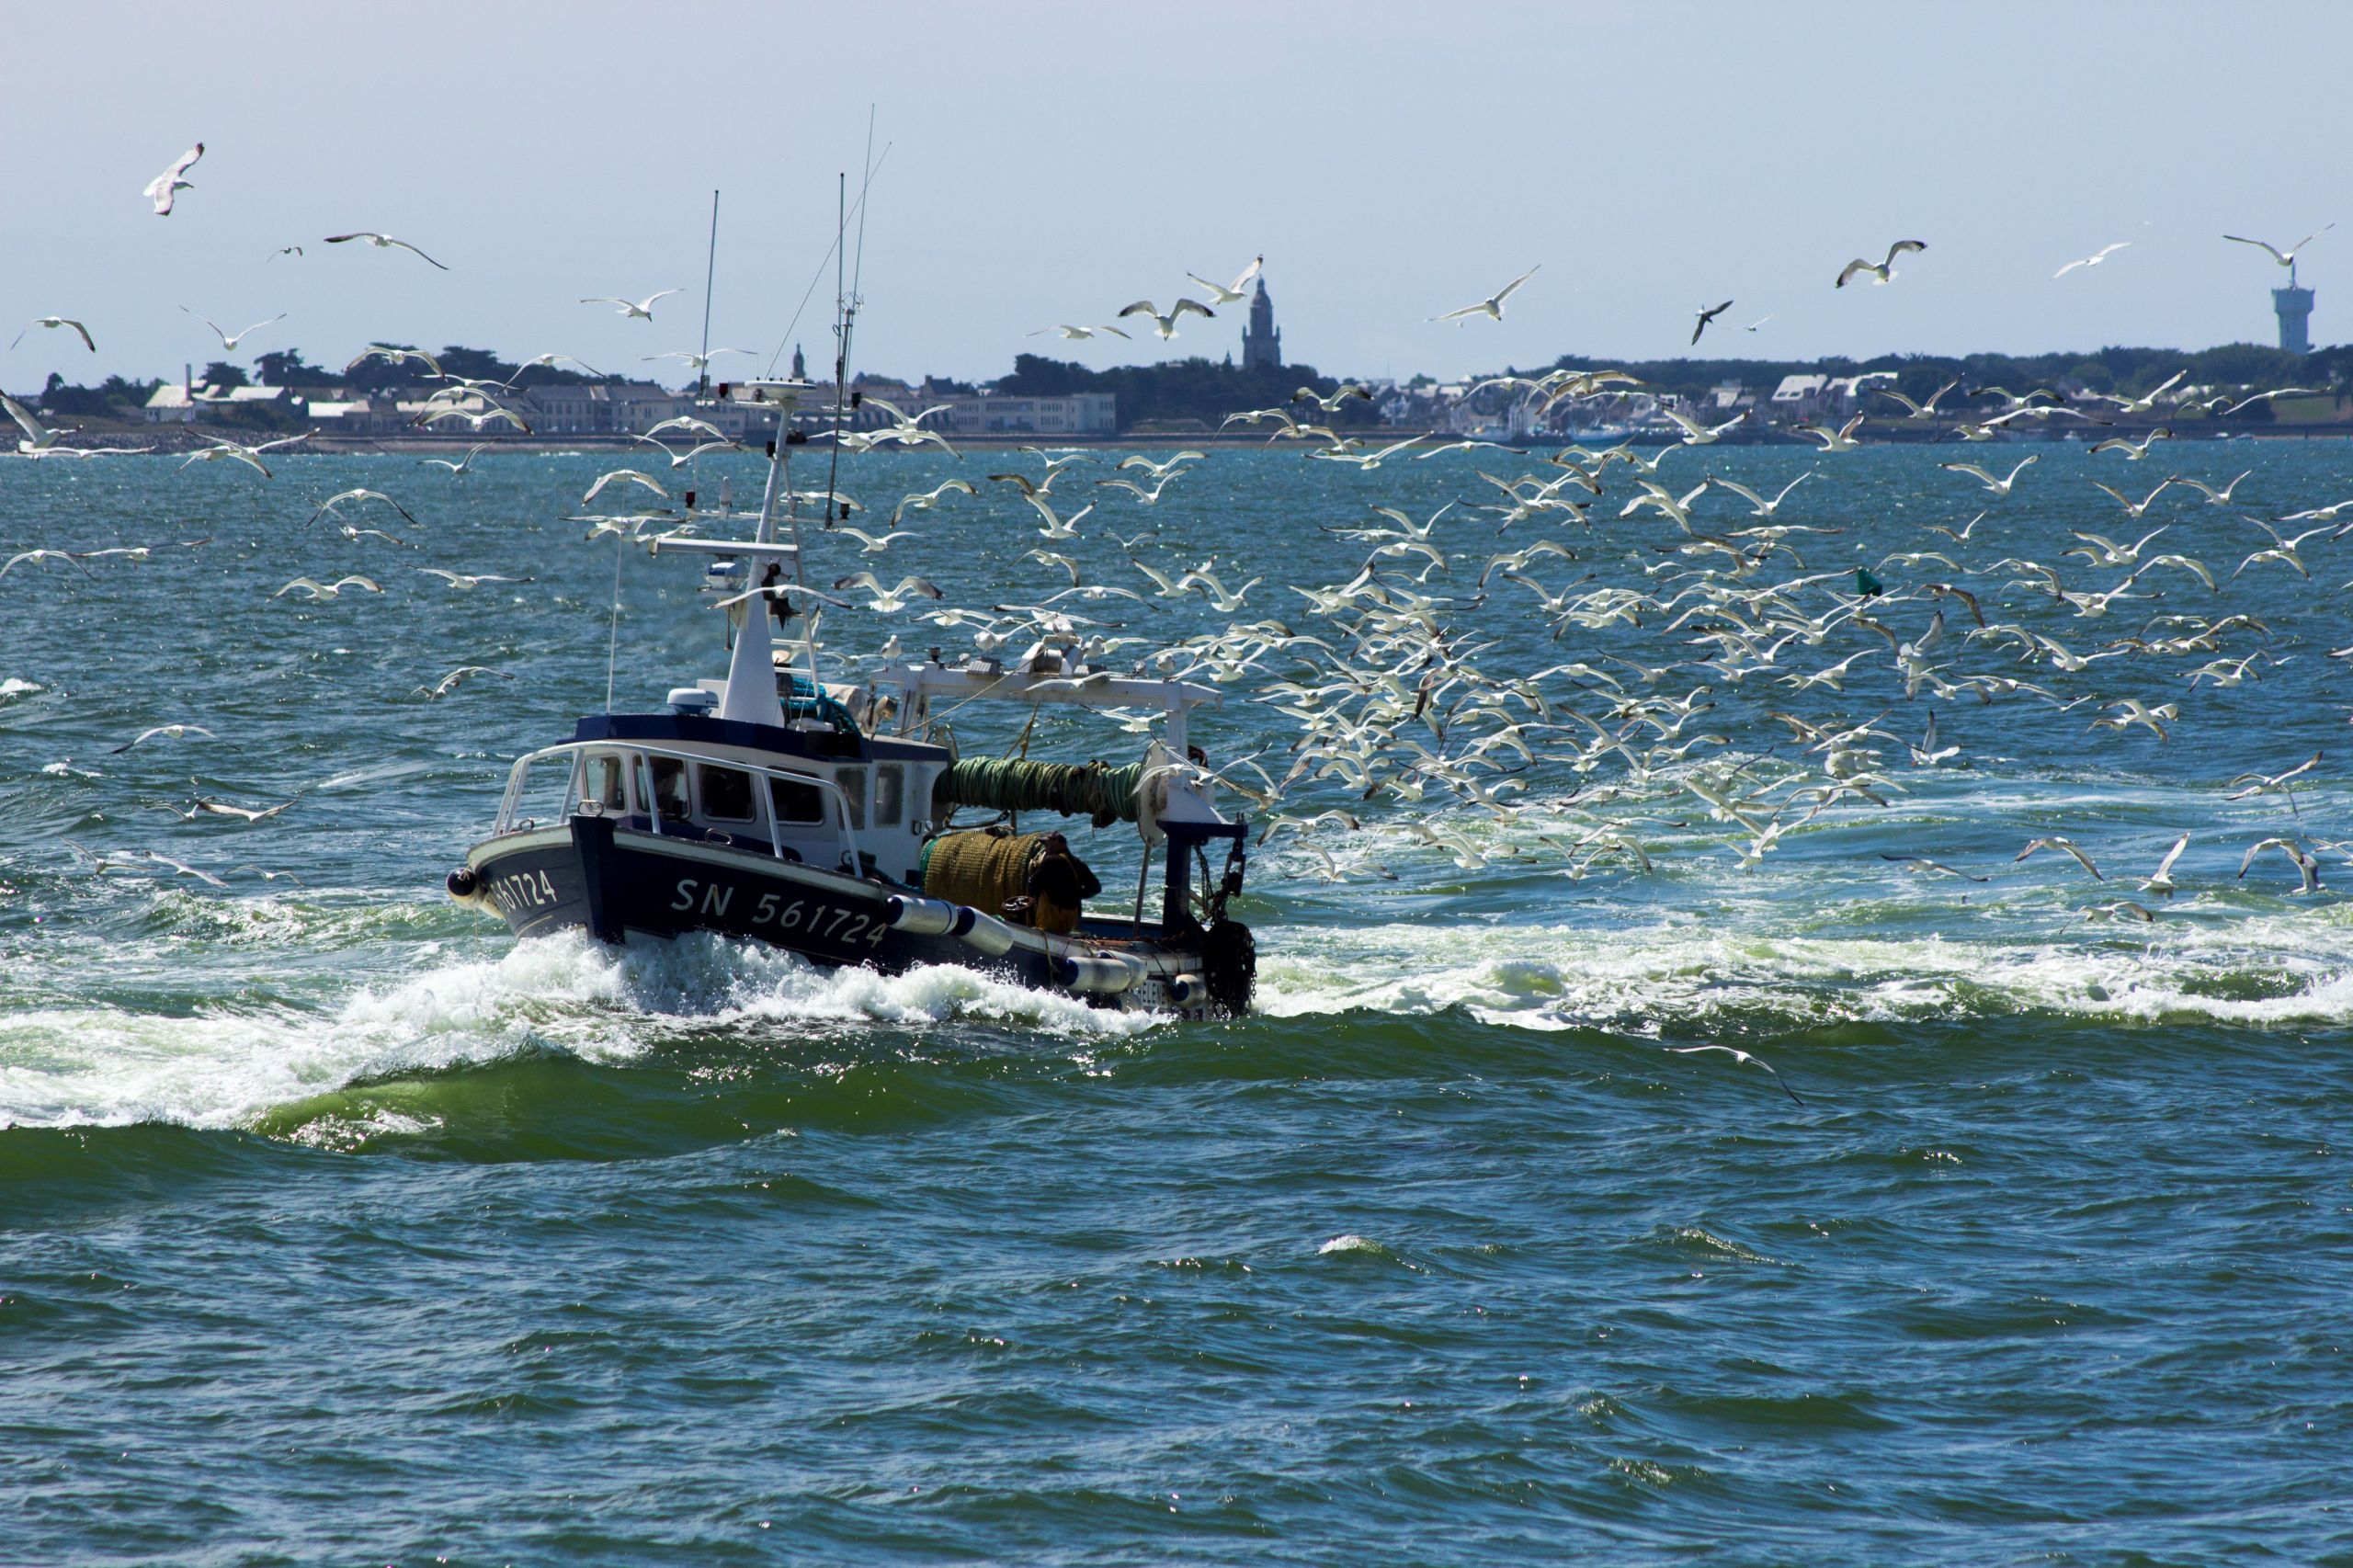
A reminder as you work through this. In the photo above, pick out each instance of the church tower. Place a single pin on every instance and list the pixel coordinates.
(799, 365)
(1262, 345)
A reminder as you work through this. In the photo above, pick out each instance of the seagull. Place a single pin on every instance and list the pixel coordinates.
(243, 814)
(923, 501)
(1840, 441)
(160, 190)
(1743, 1057)
(1998, 486)
(233, 451)
(1058, 527)
(169, 732)
(460, 580)
(2284, 257)
(38, 437)
(332, 502)
(464, 464)
(697, 362)
(2306, 867)
(624, 475)
(1763, 508)
(1919, 410)
(1160, 469)
(1234, 294)
(1697, 435)
(2065, 846)
(643, 309)
(2278, 782)
(1706, 316)
(1884, 271)
(1166, 324)
(2161, 881)
(283, 250)
(2132, 509)
(2092, 260)
(548, 361)
(57, 321)
(1492, 306)
(876, 544)
(1924, 864)
(2213, 497)
(389, 354)
(888, 601)
(38, 556)
(1073, 332)
(382, 241)
(229, 341)
(451, 681)
(1760, 321)
(2133, 452)
(180, 867)
(319, 590)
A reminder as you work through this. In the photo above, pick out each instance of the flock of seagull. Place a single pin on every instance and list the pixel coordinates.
(1683, 603)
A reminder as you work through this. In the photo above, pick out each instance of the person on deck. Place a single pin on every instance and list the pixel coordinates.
(1059, 884)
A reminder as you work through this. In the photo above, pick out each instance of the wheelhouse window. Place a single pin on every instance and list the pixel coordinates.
(890, 794)
(604, 781)
(853, 785)
(726, 793)
(670, 787)
(796, 800)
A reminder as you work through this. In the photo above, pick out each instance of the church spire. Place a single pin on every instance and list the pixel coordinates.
(1262, 345)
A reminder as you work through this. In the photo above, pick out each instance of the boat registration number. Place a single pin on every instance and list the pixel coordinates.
(815, 918)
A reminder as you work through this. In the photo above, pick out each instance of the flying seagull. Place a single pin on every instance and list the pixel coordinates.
(160, 190)
(229, 340)
(1707, 316)
(1883, 271)
(1166, 325)
(2094, 259)
(1237, 293)
(1492, 306)
(382, 241)
(1741, 1056)
(2284, 257)
(1075, 333)
(643, 309)
(57, 321)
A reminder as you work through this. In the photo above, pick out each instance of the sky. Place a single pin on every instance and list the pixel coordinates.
(1054, 161)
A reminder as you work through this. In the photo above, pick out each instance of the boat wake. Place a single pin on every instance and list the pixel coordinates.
(225, 1065)
(1686, 977)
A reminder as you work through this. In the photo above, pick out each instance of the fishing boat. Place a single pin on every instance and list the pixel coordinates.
(771, 805)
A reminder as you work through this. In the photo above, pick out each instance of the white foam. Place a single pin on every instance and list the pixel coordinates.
(1684, 972)
(110, 1066)
(16, 686)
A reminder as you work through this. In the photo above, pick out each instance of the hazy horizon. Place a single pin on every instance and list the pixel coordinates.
(1050, 166)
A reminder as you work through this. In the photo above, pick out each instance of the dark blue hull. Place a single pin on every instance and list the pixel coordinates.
(615, 882)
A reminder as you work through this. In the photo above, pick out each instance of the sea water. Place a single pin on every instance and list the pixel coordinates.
(335, 1225)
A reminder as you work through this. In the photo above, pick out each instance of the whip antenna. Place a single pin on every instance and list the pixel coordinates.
(709, 272)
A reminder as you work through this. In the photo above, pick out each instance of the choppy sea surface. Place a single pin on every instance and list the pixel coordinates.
(337, 1227)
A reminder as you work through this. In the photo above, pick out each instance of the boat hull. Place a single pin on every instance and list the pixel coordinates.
(616, 882)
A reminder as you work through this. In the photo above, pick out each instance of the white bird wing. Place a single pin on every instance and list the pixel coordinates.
(2282, 261)
(1181, 306)
(1506, 291)
(160, 189)
(25, 421)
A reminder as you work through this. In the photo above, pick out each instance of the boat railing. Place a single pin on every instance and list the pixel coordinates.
(641, 766)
